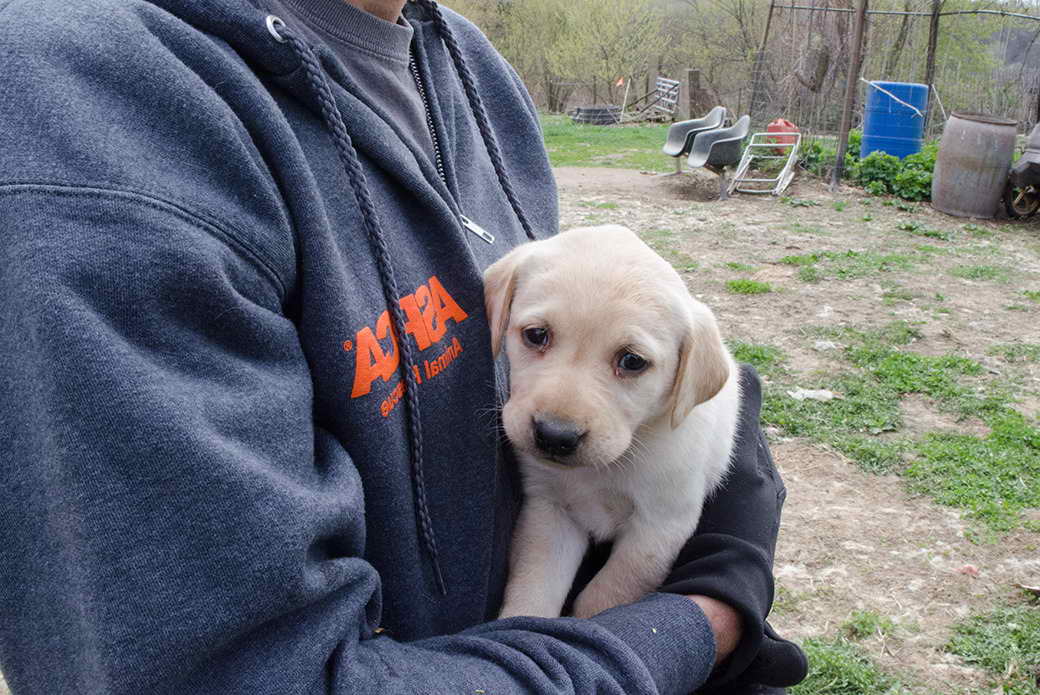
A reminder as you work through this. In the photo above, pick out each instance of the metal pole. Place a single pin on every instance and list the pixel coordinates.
(929, 64)
(851, 86)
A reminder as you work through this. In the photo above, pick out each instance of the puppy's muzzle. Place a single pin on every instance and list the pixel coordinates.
(556, 438)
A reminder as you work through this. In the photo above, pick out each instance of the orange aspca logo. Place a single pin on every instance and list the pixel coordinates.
(376, 355)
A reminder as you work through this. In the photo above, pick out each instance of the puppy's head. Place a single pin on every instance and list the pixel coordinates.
(602, 339)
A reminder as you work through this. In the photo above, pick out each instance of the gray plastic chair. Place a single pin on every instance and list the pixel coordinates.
(717, 149)
(681, 135)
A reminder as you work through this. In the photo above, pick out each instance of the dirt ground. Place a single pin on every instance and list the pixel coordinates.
(852, 540)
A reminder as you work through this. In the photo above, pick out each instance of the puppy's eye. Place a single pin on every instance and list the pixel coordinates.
(536, 337)
(630, 364)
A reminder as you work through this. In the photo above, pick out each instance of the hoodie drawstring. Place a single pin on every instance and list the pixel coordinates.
(373, 229)
(476, 105)
(348, 157)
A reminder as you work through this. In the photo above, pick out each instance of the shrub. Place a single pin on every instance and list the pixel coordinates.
(876, 188)
(880, 168)
(912, 184)
(879, 173)
(816, 157)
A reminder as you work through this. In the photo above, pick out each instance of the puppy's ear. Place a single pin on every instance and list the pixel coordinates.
(704, 365)
(499, 286)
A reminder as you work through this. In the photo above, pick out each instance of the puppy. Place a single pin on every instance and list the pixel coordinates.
(623, 409)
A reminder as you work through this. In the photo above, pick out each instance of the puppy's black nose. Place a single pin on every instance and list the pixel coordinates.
(555, 437)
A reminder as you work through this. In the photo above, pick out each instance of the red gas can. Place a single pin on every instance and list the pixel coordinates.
(782, 125)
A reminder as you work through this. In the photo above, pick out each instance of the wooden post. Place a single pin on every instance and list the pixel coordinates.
(693, 92)
(929, 65)
(851, 87)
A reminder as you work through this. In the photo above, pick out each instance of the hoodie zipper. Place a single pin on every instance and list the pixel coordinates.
(437, 156)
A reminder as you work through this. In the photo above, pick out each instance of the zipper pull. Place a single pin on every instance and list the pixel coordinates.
(477, 229)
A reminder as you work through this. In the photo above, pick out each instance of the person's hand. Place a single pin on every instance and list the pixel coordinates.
(726, 624)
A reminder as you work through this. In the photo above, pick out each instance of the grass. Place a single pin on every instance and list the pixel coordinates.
(919, 229)
(977, 231)
(746, 286)
(799, 228)
(979, 272)
(895, 293)
(863, 624)
(847, 265)
(741, 267)
(768, 360)
(627, 147)
(799, 202)
(992, 477)
(838, 667)
(1006, 644)
(1017, 352)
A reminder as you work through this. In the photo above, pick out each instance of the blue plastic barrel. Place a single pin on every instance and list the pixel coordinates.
(889, 126)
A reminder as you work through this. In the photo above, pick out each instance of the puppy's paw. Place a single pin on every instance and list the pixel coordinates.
(511, 610)
(591, 602)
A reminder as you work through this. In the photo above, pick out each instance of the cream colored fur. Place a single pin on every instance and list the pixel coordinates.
(656, 443)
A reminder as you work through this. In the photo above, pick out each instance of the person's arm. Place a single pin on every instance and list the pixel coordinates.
(173, 521)
(730, 558)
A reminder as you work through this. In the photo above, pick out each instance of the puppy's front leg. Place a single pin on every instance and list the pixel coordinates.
(640, 560)
(547, 549)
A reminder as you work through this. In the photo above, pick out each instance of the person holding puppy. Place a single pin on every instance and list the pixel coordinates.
(248, 393)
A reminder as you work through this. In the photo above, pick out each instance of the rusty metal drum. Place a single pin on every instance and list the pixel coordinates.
(972, 166)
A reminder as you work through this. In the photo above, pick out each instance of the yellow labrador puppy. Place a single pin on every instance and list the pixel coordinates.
(623, 410)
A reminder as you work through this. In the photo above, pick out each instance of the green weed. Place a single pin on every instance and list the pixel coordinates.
(994, 477)
(1006, 644)
(741, 267)
(920, 230)
(1017, 352)
(837, 667)
(765, 358)
(799, 202)
(601, 206)
(839, 205)
(746, 286)
(896, 294)
(804, 259)
(979, 272)
(810, 274)
(856, 264)
(863, 624)
(977, 231)
(1031, 295)
(847, 265)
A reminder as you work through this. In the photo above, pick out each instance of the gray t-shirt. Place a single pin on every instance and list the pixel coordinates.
(376, 55)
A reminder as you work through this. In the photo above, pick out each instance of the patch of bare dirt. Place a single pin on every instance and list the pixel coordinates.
(852, 540)
(855, 541)
(698, 186)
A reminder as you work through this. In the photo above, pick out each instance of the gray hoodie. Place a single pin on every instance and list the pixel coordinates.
(247, 401)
